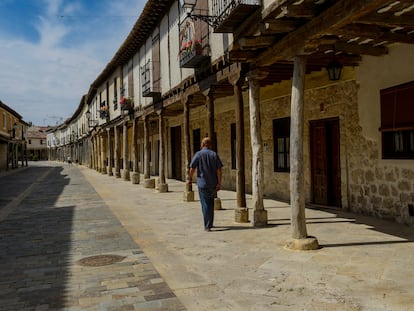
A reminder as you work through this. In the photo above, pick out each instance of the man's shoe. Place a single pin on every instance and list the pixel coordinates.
(207, 229)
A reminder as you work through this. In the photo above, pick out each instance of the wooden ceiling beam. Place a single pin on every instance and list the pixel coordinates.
(274, 26)
(387, 20)
(338, 15)
(256, 42)
(374, 32)
(354, 48)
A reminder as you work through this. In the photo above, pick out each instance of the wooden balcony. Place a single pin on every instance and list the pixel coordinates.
(230, 14)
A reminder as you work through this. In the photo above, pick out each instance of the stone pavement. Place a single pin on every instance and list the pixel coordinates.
(61, 248)
(363, 263)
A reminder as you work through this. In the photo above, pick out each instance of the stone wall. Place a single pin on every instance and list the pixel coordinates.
(369, 185)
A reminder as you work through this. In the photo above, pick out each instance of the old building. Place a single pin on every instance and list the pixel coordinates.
(307, 101)
(12, 138)
(36, 142)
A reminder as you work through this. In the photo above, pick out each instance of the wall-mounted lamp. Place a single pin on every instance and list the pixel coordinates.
(189, 5)
(334, 69)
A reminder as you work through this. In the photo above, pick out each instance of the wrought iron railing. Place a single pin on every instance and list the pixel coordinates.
(221, 9)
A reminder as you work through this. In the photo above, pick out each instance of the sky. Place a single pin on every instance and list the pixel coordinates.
(52, 50)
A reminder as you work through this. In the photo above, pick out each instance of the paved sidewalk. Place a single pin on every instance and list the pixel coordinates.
(363, 264)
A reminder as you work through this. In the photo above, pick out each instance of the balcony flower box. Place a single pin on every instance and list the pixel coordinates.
(191, 53)
(126, 103)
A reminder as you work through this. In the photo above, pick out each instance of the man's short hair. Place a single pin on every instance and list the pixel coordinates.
(206, 142)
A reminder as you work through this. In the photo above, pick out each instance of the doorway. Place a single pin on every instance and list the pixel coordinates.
(325, 162)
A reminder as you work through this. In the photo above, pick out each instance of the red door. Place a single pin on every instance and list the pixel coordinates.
(325, 162)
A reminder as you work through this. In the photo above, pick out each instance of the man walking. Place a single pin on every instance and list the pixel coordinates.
(209, 174)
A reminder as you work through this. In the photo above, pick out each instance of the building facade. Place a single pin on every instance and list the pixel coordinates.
(307, 102)
(12, 138)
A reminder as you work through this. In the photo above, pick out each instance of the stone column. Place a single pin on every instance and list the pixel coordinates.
(162, 185)
(110, 152)
(148, 181)
(300, 239)
(135, 176)
(241, 212)
(188, 193)
(103, 154)
(125, 152)
(117, 155)
(259, 213)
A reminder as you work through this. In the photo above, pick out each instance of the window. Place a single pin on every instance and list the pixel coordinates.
(4, 120)
(397, 122)
(41, 142)
(30, 141)
(233, 145)
(281, 141)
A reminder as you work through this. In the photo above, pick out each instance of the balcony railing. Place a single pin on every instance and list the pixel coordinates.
(231, 13)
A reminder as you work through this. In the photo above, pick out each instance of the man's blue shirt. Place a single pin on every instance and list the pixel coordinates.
(207, 162)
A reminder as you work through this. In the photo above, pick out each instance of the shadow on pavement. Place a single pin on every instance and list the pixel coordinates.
(35, 239)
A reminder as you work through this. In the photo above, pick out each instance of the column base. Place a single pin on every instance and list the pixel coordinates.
(149, 183)
(241, 215)
(260, 218)
(110, 173)
(162, 188)
(188, 196)
(135, 178)
(157, 182)
(118, 174)
(125, 175)
(310, 243)
(217, 204)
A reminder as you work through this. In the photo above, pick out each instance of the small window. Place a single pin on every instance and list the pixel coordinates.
(4, 120)
(30, 141)
(281, 143)
(41, 142)
(397, 122)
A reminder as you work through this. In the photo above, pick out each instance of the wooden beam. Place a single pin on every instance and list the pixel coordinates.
(354, 48)
(338, 15)
(274, 26)
(255, 42)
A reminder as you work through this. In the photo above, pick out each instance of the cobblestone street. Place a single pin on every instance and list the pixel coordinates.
(61, 248)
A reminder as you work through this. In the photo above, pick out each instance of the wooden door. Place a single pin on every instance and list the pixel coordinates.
(176, 152)
(325, 162)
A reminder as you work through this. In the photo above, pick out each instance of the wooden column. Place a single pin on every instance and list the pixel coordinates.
(211, 132)
(237, 82)
(103, 155)
(210, 117)
(110, 152)
(98, 153)
(259, 213)
(125, 152)
(188, 193)
(162, 185)
(148, 181)
(135, 176)
(117, 155)
(300, 239)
